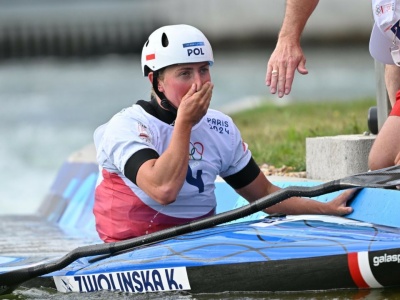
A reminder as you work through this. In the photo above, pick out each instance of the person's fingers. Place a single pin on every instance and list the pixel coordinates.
(209, 90)
(206, 87)
(203, 96)
(286, 62)
(208, 93)
(345, 210)
(282, 69)
(268, 75)
(287, 73)
(202, 91)
(190, 92)
(274, 80)
(281, 84)
(344, 198)
(301, 68)
(290, 72)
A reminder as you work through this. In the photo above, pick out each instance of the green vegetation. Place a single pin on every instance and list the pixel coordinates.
(277, 134)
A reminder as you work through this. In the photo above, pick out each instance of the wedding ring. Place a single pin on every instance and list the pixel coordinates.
(274, 72)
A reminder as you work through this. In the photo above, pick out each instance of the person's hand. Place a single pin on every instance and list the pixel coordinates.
(338, 206)
(281, 68)
(195, 103)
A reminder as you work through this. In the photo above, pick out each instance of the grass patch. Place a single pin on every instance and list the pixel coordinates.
(277, 134)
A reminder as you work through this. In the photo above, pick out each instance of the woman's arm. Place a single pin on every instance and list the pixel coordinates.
(261, 187)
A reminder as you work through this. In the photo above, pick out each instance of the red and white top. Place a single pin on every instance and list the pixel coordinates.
(122, 210)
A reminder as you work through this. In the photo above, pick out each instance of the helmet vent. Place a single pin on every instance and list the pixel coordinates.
(164, 40)
(147, 43)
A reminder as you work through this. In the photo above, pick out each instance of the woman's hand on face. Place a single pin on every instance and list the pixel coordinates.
(195, 103)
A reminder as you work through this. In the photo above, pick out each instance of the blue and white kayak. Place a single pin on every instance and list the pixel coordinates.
(289, 253)
(255, 253)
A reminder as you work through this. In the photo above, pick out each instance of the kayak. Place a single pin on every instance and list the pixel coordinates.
(256, 252)
(288, 253)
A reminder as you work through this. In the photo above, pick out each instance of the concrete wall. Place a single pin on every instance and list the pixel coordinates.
(335, 157)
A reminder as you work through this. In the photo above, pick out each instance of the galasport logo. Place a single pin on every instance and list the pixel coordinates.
(386, 258)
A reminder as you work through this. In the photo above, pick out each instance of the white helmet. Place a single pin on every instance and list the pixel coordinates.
(175, 44)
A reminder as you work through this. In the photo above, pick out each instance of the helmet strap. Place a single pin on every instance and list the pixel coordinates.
(165, 103)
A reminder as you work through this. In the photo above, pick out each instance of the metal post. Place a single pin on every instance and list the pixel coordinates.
(382, 99)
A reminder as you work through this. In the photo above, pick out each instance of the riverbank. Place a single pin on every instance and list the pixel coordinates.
(276, 134)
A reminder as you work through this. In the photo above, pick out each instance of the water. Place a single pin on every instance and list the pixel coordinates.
(376, 294)
(50, 108)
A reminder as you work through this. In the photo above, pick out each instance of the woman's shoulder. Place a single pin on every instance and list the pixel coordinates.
(134, 112)
(213, 113)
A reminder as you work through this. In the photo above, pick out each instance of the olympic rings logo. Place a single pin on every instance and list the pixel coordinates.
(196, 151)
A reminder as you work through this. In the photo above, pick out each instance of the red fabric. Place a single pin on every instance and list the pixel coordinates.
(396, 107)
(121, 215)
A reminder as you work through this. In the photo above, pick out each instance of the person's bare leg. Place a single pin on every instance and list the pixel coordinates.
(386, 148)
(385, 151)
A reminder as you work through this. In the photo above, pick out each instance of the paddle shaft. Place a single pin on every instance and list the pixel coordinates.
(10, 280)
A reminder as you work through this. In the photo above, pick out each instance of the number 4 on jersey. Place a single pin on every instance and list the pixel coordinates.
(198, 181)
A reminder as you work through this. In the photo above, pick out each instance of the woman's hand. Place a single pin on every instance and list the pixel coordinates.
(195, 103)
(338, 206)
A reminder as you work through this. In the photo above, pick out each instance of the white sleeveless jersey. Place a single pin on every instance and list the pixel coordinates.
(215, 148)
